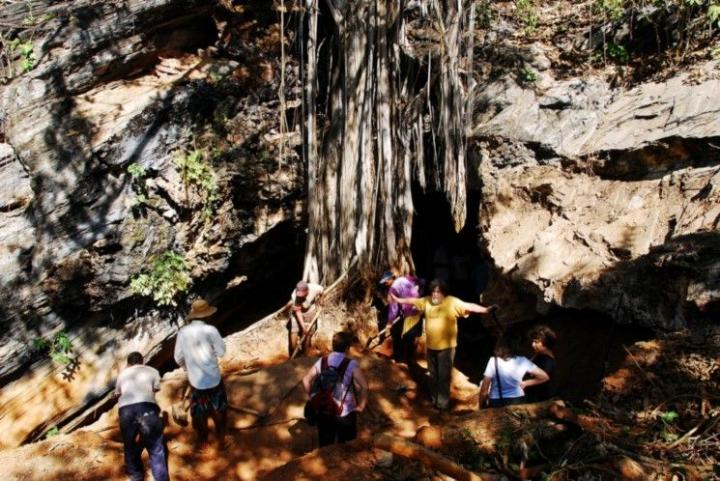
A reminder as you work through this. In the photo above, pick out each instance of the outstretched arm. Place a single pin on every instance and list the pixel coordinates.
(403, 300)
(470, 307)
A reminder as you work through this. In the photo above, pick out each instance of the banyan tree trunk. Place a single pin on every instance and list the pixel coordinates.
(362, 162)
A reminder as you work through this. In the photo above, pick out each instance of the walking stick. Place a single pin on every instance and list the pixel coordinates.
(306, 335)
(379, 336)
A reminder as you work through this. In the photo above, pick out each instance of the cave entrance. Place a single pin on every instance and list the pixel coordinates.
(590, 344)
(589, 347)
(456, 257)
(440, 252)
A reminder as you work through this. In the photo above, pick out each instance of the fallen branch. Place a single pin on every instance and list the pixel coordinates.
(431, 459)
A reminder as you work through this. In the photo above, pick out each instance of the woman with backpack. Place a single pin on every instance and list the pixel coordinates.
(503, 379)
(338, 391)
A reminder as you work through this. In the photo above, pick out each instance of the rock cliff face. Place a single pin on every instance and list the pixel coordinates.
(598, 196)
(136, 133)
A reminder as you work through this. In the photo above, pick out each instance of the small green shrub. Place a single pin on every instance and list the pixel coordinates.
(612, 10)
(667, 429)
(196, 171)
(27, 54)
(484, 13)
(617, 52)
(40, 344)
(52, 432)
(528, 14)
(59, 349)
(713, 14)
(137, 173)
(168, 277)
(528, 76)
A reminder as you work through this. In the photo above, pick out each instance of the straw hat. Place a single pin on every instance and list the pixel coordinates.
(200, 309)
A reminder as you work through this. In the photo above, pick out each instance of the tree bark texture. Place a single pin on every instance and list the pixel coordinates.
(372, 146)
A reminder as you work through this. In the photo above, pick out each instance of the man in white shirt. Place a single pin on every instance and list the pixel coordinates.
(197, 348)
(303, 310)
(140, 423)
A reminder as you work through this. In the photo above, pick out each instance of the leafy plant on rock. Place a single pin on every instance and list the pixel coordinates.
(139, 186)
(196, 171)
(528, 76)
(168, 277)
(528, 14)
(59, 349)
(27, 54)
(618, 53)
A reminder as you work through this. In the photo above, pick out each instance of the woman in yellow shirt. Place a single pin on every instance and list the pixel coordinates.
(441, 314)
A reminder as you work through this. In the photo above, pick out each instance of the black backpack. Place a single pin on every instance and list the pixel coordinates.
(322, 404)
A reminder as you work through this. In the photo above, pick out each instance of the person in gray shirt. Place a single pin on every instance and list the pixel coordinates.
(141, 426)
(197, 348)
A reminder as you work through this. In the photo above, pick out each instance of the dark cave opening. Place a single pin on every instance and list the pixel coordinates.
(590, 344)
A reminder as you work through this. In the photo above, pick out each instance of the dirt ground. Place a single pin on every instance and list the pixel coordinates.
(655, 418)
(267, 429)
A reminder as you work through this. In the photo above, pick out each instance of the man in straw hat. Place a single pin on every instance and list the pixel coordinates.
(197, 348)
(303, 310)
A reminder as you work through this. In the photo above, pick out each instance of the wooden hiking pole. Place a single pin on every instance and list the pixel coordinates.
(308, 333)
(379, 336)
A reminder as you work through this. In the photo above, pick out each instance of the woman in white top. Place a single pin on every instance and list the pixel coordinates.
(503, 379)
(349, 392)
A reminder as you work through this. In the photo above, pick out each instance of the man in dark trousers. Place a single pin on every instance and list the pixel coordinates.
(197, 348)
(141, 426)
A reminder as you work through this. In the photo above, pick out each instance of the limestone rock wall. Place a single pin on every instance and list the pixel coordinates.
(117, 88)
(604, 198)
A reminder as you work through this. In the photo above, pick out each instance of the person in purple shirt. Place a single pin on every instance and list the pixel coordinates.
(402, 318)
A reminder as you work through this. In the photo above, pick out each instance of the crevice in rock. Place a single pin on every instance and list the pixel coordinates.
(656, 160)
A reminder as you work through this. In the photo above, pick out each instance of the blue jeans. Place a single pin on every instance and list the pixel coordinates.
(142, 422)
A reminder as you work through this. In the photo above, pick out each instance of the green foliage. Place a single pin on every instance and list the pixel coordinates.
(613, 10)
(58, 349)
(52, 432)
(617, 52)
(139, 186)
(61, 349)
(528, 14)
(136, 171)
(40, 344)
(528, 76)
(716, 54)
(484, 13)
(195, 170)
(669, 417)
(713, 14)
(666, 430)
(27, 54)
(168, 277)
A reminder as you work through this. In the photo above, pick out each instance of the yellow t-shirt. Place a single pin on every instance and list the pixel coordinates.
(441, 321)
